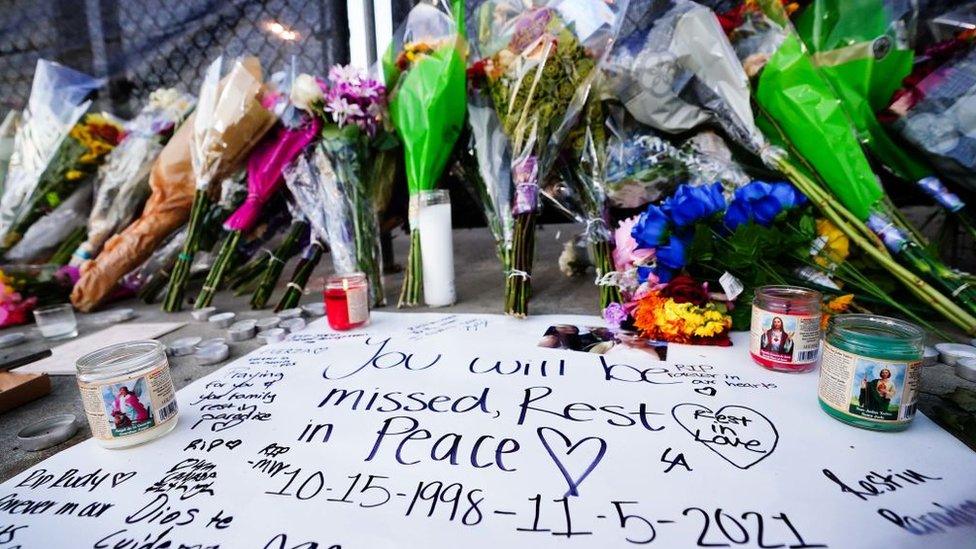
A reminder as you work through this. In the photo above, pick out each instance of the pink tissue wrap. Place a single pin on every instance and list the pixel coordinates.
(265, 167)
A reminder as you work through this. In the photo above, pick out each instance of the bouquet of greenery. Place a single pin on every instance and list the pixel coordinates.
(122, 185)
(424, 69)
(63, 227)
(538, 60)
(58, 100)
(231, 117)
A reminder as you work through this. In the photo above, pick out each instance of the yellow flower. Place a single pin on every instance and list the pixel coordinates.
(74, 175)
(666, 319)
(836, 246)
(840, 303)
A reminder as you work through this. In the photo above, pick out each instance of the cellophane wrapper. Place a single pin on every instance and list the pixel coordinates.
(312, 183)
(122, 185)
(45, 236)
(8, 132)
(57, 102)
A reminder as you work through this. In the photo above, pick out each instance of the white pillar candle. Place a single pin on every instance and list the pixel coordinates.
(436, 248)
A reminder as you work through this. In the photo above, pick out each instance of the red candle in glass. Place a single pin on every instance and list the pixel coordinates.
(785, 328)
(347, 301)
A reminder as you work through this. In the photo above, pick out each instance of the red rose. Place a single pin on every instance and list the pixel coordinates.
(684, 289)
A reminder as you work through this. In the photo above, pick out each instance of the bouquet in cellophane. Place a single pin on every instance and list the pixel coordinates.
(63, 227)
(361, 152)
(297, 128)
(230, 118)
(538, 59)
(424, 71)
(122, 185)
(58, 101)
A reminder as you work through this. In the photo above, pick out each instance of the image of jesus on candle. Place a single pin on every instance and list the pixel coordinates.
(776, 339)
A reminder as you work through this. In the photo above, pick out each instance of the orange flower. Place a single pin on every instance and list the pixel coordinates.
(835, 306)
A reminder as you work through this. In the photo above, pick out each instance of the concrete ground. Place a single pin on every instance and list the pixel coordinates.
(480, 287)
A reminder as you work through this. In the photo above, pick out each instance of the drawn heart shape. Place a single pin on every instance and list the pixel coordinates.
(571, 447)
(738, 434)
(231, 444)
(707, 391)
(119, 478)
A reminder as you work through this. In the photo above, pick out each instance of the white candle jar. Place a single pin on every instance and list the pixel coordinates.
(436, 247)
(127, 393)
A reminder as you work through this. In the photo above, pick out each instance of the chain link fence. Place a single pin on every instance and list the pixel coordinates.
(141, 45)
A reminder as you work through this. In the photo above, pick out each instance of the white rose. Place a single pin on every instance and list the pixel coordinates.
(305, 92)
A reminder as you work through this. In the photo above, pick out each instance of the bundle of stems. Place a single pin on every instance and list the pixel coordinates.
(310, 259)
(281, 254)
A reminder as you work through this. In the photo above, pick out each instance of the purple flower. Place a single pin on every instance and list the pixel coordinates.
(614, 315)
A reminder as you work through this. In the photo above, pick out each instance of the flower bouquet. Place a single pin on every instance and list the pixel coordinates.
(484, 168)
(538, 60)
(863, 49)
(75, 162)
(313, 185)
(229, 120)
(171, 186)
(361, 154)
(122, 185)
(57, 102)
(62, 228)
(264, 177)
(424, 71)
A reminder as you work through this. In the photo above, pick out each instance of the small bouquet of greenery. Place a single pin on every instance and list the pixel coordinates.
(538, 60)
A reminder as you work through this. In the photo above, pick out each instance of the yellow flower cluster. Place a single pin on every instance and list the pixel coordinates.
(836, 245)
(666, 319)
(87, 134)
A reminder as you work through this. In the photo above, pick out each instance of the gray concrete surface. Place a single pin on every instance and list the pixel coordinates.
(480, 290)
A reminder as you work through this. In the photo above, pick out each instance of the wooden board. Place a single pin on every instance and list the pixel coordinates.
(19, 389)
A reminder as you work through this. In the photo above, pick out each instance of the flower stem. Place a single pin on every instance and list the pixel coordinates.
(413, 276)
(217, 270)
(303, 271)
(518, 285)
(181, 270)
(285, 251)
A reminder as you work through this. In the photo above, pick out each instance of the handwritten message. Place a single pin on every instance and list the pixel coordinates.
(431, 430)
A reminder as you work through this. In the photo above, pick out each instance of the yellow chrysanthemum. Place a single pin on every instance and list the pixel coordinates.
(74, 175)
(669, 320)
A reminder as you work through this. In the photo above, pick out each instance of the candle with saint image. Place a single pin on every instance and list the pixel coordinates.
(436, 247)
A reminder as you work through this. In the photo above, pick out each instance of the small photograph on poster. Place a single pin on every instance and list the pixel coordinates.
(877, 389)
(127, 407)
(604, 341)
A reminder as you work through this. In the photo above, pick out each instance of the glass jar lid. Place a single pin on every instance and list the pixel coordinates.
(120, 359)
(877, 336)
(788, 299)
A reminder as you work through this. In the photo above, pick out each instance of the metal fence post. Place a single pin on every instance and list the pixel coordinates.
(333, 31)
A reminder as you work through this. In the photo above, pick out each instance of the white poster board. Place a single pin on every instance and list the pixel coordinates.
(443, 431)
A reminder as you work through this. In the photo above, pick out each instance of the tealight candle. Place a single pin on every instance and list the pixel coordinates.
(347, 301)
(869, 375)
(785, 329)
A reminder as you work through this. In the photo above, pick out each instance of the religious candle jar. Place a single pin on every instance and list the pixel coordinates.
(785, 329)
(347, 301)
(127, 393)
(869, 374)
(437, 245)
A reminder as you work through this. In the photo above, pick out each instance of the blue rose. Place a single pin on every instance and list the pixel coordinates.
(690, 204)
(761, 202)
(652, 227)
(671, 258)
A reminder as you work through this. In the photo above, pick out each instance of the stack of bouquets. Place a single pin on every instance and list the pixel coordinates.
(296, 129)
(57, 148)
(232, 115)
(537, 60)
(122, 185)
(424, 71)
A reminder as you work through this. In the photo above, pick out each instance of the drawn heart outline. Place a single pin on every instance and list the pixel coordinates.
(674, 414)
(707, 391)
(119, 478)
(571, 447)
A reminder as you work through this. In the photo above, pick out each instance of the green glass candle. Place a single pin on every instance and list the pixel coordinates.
(869, 374)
